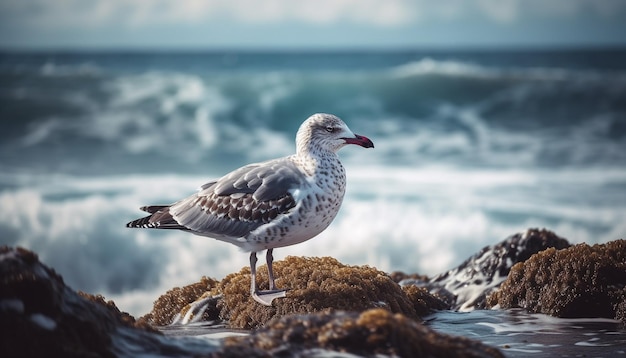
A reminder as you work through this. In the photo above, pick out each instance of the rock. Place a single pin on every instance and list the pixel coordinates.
(467, 286)
(398, 276)
(121, 317)
(370, 333)
(315, 284)
(177, 303)
(423, 301)
(42, 317)
(580, 281)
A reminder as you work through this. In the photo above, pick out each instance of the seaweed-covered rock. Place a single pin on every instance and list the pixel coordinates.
(41, 317)
(580, 281)
(398, 276)
(314, 284)
(423, 301)
(177, 302)
(467, 286)
(369, 333)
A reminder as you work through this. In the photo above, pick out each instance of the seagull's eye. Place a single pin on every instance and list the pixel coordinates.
(330, 129)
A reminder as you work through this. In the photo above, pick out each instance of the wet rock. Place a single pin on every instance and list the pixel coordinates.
(41, 317)
(467, 286)
(369, 333)
(398, 276)
(315, 284)
(177, 303)
(423, 301)
(121, 317)
(580, 281)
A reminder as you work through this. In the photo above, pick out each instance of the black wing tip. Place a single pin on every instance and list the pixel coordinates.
(142, 223)
(145, 222)
(153, 208)
(160, 219)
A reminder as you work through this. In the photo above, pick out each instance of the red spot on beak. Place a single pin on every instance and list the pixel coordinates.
(360, 140)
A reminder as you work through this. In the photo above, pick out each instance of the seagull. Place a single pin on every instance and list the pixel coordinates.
(271, 204)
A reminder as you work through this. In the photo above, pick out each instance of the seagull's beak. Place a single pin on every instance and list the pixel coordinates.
(359, 140)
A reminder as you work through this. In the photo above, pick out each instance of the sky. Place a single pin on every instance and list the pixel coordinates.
(202, 24)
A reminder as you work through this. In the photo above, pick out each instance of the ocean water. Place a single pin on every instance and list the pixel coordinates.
(471, 147)
(514, 332)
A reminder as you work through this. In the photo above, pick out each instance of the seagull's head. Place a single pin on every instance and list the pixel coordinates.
(326, 131)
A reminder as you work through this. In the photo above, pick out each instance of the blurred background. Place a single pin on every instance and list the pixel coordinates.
(489, 117)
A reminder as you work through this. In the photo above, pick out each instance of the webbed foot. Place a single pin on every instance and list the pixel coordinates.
(266, 297)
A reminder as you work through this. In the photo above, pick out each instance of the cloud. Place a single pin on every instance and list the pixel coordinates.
(374, 12)
(147, 12)
(509, 11)
(321, 12)
(190, 23)
(500, 10)
(139, 13)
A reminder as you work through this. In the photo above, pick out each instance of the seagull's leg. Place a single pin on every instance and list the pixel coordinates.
(253, 276)
(263, 297)
(270, 271)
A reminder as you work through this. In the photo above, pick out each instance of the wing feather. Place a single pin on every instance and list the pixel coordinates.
(239, 202)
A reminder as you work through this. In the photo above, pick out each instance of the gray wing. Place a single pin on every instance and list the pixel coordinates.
(240, 201)
(265, 181)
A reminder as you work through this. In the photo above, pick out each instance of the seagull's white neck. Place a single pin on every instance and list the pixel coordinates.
(312, 157)
(313, 160)
(318, 159)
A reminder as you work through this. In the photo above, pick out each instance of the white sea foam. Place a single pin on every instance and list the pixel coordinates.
(154, 111)
(133, 89)
(168, 123)
(41, 132)
(273, 88)
(193, 117)
(57, 70)
(428, 66)
(532, 323)
(457, 68)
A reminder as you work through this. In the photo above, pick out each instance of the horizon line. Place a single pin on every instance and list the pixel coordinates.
(315, 49)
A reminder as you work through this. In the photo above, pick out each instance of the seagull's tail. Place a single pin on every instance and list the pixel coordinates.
(159, 218)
